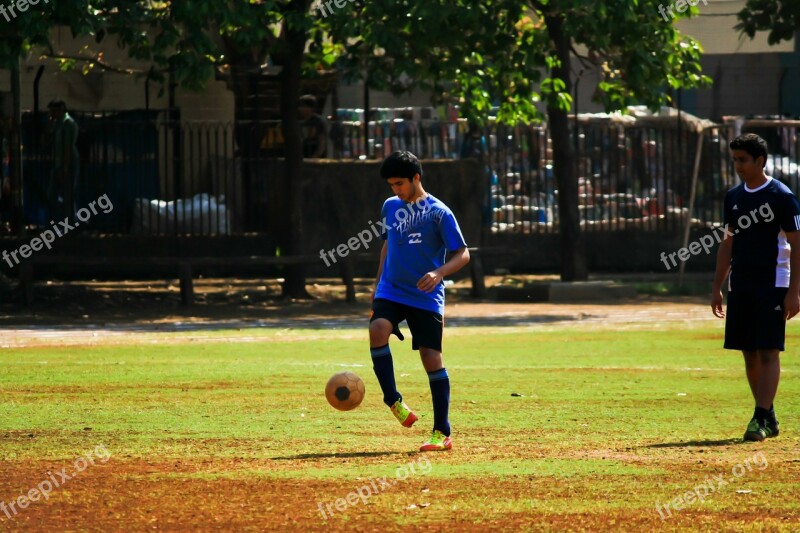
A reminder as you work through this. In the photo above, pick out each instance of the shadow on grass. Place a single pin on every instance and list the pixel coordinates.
(697, 443)
(340, 455)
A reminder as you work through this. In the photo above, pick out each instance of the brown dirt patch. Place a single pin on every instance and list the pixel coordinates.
(138, 495)
(89, 313)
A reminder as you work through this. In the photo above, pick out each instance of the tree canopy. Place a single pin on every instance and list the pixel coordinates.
(521, 55)
(486, 51)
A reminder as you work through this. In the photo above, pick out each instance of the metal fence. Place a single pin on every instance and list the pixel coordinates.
(631, 176)
(167, 176)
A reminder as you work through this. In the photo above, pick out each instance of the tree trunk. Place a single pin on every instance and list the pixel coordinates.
(17, 216)
(283, 214)
(573, 250)
(290, 228)
(243, 78)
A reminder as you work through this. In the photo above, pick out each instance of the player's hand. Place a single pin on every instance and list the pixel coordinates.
(791, 305)
(372, 295)
(716, 304)
(429, 281)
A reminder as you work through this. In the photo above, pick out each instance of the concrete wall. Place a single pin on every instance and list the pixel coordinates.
(714, 25)
(744, 84)
(619, 251)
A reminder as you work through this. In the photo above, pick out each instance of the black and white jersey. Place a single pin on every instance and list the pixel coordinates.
(759, 219)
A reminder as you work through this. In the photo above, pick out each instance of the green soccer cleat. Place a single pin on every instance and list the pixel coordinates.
(438, 442)
(756, 431)
(403, 414)
(772, 426)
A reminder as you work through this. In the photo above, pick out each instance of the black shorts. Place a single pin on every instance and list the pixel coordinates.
(754, 319)
(426, 326)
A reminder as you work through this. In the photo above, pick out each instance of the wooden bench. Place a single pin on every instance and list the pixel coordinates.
(184, 267)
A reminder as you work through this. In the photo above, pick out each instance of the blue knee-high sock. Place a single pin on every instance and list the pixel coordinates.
(440, 394)
(384, 371)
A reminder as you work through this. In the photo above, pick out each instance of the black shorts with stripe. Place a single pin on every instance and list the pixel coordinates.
(426, 326)
(754, 319)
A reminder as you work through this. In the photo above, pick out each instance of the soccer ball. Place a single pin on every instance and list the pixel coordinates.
(344, 391)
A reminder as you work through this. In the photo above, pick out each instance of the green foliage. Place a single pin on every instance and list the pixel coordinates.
(29, 31)
(193, 38)
(480, 53)
(780, 18)
(189, 38)
(499, 52)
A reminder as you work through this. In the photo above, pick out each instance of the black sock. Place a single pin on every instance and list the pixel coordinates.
(440, 394)
(771, 415)
(761, 414)
(384, 371)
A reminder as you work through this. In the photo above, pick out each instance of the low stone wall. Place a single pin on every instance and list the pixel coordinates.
(613, 251)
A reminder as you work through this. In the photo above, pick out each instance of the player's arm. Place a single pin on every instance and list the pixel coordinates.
(380, 269)
(432, 279)
(791, 303)
(720, 275)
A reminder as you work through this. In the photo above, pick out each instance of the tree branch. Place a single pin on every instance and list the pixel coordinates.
(51, 54)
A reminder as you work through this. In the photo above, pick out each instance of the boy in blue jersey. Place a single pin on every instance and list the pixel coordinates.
(761, 251)
(418, 231)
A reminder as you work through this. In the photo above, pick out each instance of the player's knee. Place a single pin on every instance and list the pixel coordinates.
(431, 359)
(768, 357)
(379, 330)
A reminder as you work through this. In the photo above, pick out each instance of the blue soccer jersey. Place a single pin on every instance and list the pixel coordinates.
(418, 237)
(758, 219)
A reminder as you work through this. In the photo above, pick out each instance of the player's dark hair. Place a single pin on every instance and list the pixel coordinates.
(752, 144)
(401, 164)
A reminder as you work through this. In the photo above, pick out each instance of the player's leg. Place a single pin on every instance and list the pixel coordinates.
(439, 382)
(771, 328)
(769, 376)
(770, 358)
(752, 368)
(740, 334)
(426, 329)
(385, 317)
(770, 362)
(765, 376)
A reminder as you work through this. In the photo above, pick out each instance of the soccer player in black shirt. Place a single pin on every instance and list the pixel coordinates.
(761, 251)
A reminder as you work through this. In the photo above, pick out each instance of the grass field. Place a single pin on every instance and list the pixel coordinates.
(554, 429)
